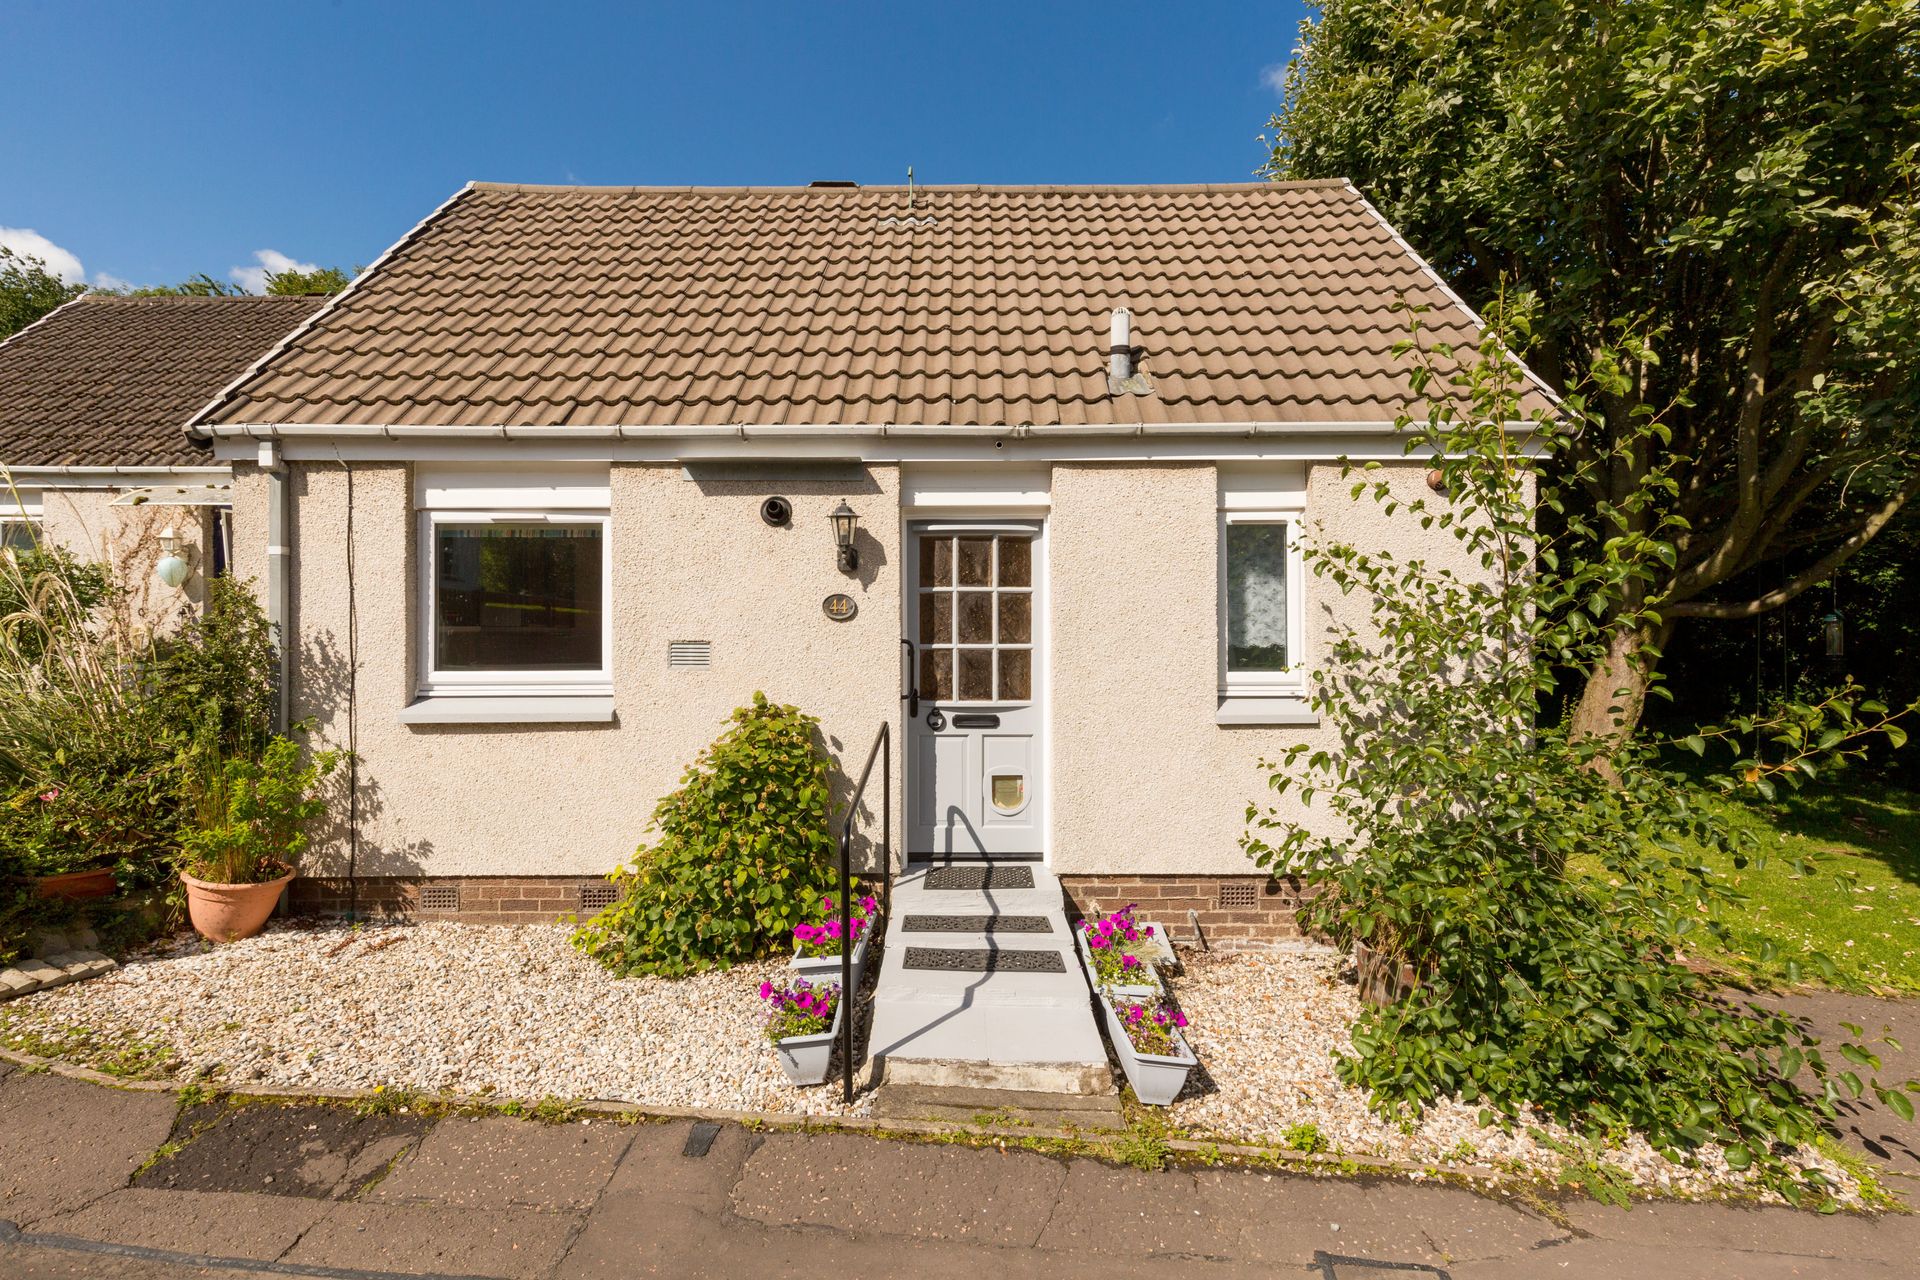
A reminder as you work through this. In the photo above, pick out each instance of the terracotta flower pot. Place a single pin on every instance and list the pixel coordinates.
(229, 912)
(76, 886)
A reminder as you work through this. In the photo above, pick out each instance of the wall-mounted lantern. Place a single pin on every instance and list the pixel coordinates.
(173, 568)
(845, 523)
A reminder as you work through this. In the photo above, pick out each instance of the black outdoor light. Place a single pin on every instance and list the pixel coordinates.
(844, 524)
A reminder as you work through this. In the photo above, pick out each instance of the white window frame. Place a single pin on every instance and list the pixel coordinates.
(507, 682)
(1291, 683)
(25, 509)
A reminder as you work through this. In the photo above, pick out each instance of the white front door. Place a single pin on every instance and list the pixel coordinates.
(974, 753)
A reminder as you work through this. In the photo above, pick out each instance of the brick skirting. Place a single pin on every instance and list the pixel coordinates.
(468, 899)
(1236, 913)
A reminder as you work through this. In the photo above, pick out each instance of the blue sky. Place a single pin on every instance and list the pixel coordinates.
(148, 141)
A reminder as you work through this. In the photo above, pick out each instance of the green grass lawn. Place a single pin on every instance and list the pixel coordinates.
(1859, 901)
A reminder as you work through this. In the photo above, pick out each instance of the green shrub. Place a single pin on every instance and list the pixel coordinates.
(744, 852)
(1540, 883)
(249, 816)
(216, 679)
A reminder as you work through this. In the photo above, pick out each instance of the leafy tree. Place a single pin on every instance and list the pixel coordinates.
(28, 291)
(1714, 208)
(743, 854)
(198, 286)
(1545, 905)
(319, 280)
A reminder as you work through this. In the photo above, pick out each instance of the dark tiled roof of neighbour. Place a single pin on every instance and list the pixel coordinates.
(107, 381)
(545, 306)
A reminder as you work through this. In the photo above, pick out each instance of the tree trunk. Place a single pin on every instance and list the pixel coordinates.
(1616, 691)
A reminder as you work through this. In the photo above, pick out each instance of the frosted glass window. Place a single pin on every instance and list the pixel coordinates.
(1256, 597)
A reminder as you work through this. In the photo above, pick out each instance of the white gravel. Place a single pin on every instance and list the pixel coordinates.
(509, 1011)
(515, 1012)
(1265, 1028)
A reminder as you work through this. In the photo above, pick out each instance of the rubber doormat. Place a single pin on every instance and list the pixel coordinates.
(969, 960)
(980, 878)
(976, 924)
(1332, 1266)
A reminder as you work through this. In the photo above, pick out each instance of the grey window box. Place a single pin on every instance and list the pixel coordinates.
(1156, 1080)
(805, 1059)
(818, 969)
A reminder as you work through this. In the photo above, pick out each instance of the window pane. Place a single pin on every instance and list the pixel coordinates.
(1016, 674)
(17, 535)
(517, 597)
(1016, 562)
(976, 675)
(976, 617)
(1256, 597)
(1016, 618)
(936, 618)
(936, 674)
(936, 562)
(976, 562)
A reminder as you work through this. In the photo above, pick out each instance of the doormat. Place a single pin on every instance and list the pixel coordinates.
(976, 924)
(968, 960)
(980, 878)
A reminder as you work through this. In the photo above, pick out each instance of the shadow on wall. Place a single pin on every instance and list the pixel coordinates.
(808, 484)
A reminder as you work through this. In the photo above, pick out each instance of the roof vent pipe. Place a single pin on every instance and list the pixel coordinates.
(1120, 348)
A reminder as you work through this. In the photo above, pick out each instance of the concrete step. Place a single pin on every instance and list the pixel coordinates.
(1005, 1107)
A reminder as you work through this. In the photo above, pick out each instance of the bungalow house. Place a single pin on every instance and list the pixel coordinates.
(93, 399)
(1021, 472)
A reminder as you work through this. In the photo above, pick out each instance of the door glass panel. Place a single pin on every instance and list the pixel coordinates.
(936, 674)
(1016, 562)
(976, 675)
(1256, 597)
(936, 618)
(936, 562)
(976, 562)
(1016, 618)
(1016, 675)
(976, 617)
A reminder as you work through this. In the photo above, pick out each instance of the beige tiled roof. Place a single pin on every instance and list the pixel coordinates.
(107, 381)
(573, 306)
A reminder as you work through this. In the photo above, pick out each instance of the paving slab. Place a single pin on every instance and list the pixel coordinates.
(655, 1171)
(1666, 1224)
(852, 1183)
(514, 1244)
(28, 1261)
(1864, 1124)
(499, 1163)
(295, 1150)
(1616, 1260)
(224, 1223)
(65, 1142)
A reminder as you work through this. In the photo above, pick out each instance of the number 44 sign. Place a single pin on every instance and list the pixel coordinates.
(839, 606)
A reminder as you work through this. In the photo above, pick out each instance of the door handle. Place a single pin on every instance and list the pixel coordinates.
(912, 695)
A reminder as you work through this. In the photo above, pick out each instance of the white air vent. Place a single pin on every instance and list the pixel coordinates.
(597, 895)
(439, 897)
(690, 653)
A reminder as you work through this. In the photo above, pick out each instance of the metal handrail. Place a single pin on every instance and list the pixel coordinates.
(882, 747)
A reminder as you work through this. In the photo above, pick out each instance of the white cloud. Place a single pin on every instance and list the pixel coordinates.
(271, 262)
(1274, 76)
(31, 244)
(105, 280)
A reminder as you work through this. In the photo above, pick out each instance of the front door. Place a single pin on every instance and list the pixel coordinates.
(974, 753)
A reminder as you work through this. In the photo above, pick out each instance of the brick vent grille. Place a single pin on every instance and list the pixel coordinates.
(439, 897)
(1239, 897)
(598, 896)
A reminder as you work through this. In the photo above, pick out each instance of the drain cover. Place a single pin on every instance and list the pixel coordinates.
(976, 924)
(1334, 1267)
(980, 878)
(970, 960)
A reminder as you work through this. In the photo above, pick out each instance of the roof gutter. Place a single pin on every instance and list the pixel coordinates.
(298, 431)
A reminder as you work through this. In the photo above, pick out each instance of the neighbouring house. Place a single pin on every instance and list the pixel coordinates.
(93, 458)
(571, 472)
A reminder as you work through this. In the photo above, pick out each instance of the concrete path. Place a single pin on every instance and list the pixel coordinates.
(273, 1190)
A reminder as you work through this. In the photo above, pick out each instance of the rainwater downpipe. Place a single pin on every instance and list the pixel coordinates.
(279, 578)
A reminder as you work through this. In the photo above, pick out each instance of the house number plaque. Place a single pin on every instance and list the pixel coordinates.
(839, 606)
